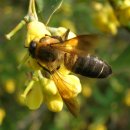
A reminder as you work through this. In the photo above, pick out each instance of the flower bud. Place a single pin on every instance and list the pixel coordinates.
(97, 126)
(49, 86)
(35, 30)
(127, 98)
(54, 103)
(105, 18)
(2, 115)
(87, 90)
(124, 15)
(10, 86)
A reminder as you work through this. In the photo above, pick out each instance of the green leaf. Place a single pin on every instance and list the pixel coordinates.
(48, 8)
(40, 5)
(122, 63)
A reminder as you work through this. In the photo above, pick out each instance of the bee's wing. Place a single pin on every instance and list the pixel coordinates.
(66, 93)
(81, 43)
(72, 106)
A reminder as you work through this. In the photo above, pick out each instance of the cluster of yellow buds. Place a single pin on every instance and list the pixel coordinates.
(123, 12)
(105, 18)
(40, 89)
(97, 126)
(2, 115)
(127, 98)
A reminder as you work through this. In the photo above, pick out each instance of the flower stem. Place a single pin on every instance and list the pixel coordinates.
(17, 28)
(28, 88)
(32, 11)
(31, 15)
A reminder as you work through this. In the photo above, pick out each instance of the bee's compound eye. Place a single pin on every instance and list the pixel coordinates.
(33, 44)
(32, 48)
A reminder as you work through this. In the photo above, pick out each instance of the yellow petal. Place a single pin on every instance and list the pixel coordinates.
(63, 70)
(34, 97)
(60, 31)
(74, 84)
(68, 85)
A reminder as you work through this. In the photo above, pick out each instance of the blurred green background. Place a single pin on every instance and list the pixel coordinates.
(105, 104)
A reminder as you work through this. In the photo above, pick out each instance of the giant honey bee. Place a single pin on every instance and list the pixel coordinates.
(52, 51)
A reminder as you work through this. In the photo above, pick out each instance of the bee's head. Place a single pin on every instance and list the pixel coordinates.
(32, 48)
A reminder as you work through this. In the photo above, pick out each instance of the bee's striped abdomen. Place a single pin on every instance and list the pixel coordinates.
(91, 66)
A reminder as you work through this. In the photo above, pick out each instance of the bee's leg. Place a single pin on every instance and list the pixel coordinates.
(44, 68)
(62, 38)
(55, 37)
(65, 35)
(54, 70)
(48, 72)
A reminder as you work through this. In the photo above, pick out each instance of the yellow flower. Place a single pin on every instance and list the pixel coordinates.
(10, 86)
(35, 30)
(74, 85)
(87, 90)
(127, 98)
(45, 91)
(52, 98)
(2, 115)
(105, 18)
(49, 86)
(54, 102)
(33, 96)
(97, 126)
(60, 31)
(123, 12)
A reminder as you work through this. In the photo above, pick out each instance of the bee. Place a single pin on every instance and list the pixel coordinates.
(51, 52)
